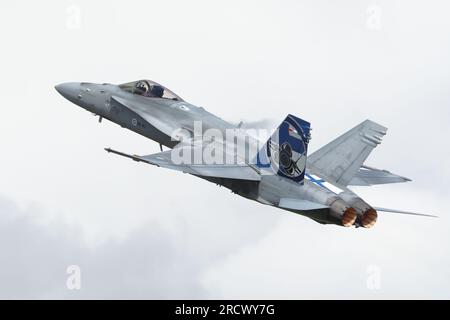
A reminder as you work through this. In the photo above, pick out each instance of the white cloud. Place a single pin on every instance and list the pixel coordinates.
(303, 260)
(148, 263)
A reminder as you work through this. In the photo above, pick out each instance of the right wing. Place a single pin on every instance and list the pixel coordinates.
(339, 161)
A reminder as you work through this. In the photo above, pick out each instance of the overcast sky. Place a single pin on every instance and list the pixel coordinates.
(137, 231)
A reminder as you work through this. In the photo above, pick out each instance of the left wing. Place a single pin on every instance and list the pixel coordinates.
(239, 170)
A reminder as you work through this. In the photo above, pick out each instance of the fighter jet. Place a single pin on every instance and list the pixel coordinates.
(275, 172)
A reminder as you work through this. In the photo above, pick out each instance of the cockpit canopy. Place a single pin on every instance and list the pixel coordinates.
(150, 89)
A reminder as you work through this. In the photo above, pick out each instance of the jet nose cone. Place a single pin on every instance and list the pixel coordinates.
(68, 90)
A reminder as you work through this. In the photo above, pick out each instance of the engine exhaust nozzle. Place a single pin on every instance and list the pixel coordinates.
(349, 217)
(369, 218)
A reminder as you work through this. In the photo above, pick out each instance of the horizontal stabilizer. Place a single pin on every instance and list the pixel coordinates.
(404, 212)
(367, 176)
(299, 204)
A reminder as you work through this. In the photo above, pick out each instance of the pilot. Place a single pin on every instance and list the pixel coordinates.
(141, 88)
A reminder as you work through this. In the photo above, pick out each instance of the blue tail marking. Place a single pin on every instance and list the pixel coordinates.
(285, 151)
